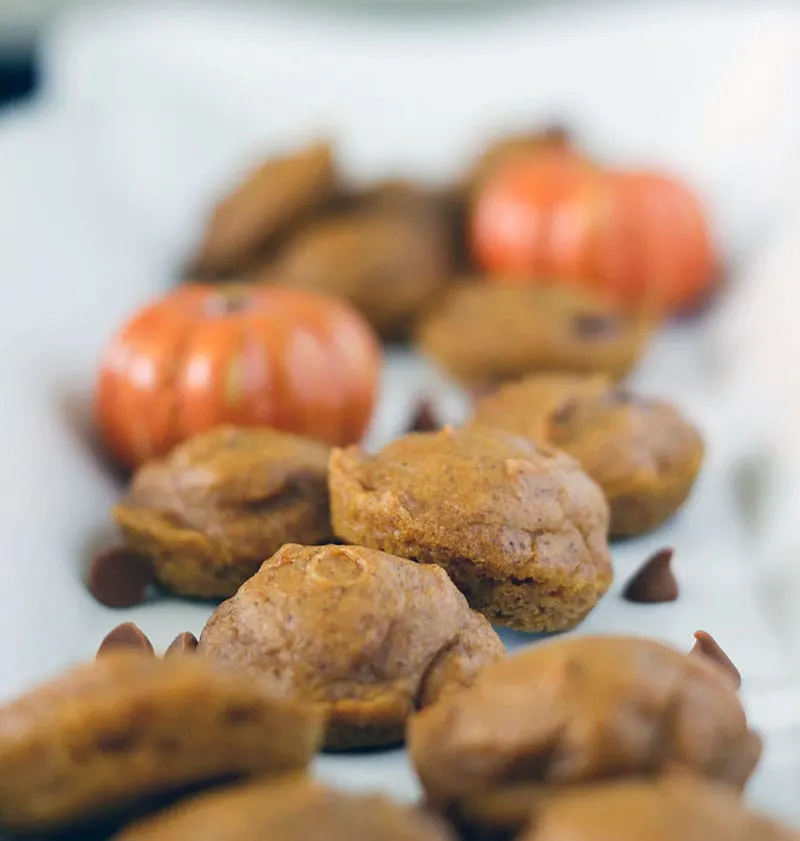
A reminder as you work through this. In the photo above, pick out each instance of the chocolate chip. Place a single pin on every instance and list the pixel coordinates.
(594, 326)
(128, 636)
(185, 643)
(564, 412)
(424, 418)
(655, 582)
(706, 646)
(120, 577)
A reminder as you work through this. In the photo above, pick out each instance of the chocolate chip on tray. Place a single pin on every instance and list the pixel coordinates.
(654, 582)
(595, 326)
(185, 643)
(128, 636)
(120, 577)
(706, 646)
(424, 418)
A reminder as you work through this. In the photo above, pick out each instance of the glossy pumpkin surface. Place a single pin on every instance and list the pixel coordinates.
(641, 237)
(246, 355)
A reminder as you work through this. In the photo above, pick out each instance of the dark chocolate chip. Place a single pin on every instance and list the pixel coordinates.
(564, 412)
(706, 646)
(593, 326)
(424, 418)
(185, 643)
(128, 636)
(120, 577)
(655, 582)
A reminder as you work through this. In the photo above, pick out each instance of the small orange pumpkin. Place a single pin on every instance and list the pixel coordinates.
(642, 237)
(247, 355)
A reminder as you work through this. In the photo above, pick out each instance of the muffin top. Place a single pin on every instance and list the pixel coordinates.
(618, 436)
(224, 483)
(352, 627)
(503, 501)
(484, 332)
(286, 810)
(676, 808)
(604, 707)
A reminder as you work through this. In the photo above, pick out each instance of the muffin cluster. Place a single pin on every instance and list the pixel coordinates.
(359, 596)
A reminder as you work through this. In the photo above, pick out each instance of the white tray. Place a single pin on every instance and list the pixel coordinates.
(104, 200)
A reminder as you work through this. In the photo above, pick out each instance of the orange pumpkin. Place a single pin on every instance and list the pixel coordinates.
(642, 237)
(247, 355)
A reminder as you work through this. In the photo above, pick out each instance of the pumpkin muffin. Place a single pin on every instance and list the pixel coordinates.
(291, 809)
(271, 199)
(211, 511)
(677, 808)
(643, 453)
(110, 734)
(482, 333)
(366, 636)
(388, 261)
(574, 711)
(518, 526)
(445, 207)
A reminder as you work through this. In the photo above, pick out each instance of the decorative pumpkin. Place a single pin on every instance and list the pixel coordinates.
(241, 354)
(642, 237)
(554, 141)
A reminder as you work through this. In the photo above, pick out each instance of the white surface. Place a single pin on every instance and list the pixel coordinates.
(687, 87)
(106, 179)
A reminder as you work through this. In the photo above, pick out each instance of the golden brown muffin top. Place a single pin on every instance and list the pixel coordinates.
(621, 438)
(387, 261)
(580, 709)
(229, 474)
(483, 331)
(676, 808)
(113, 733)
(288, 810)
(345, 624)
(118, 688)
(273, 196)
(507, 503)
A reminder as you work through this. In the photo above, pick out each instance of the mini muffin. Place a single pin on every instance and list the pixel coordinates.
(432, 205)
(518, 526)
(291, 809)
(672, 809)
(482, 333)
(273, 197)
(574, 711)
(366, 636)
(643, 453)
(110, 734)
(387, 262)
(211, 511)
(401, 195)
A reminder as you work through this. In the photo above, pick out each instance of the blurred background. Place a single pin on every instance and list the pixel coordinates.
(20, 22)
(149, 110)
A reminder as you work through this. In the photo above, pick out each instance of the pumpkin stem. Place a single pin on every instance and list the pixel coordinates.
(227, 300)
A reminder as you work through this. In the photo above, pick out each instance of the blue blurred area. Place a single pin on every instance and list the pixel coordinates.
(18, 78)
